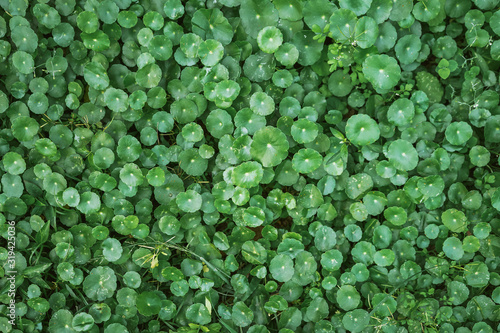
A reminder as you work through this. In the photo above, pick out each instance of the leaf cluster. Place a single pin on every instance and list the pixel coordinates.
(250, 166)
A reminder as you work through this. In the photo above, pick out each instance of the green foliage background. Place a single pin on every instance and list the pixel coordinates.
(250, 165)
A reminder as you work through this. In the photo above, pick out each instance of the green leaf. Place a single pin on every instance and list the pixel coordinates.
(198, 313)
(210, 52)
(247, 174)
(24, 128)
(382, 71)
(95, 75)
(281, 268)
(257, 14)
(148, 303)
(211, 24)
(452, 247)
(43, 235)
(87, 22)
(401, 112)
(242, 315)
(261, 104)
(23, 62)
(60, 322)
(97, 41)
(325, 238)
(112, 249)
(342, 24)
(362, 130)
(458, 133)
(189, 201)
(39, 304)
(356, 320)
(306, 160)
(396, 215)
(402, 155)
(269, 146)
(160, 47)
(407, 49)
(304, 131)
(476, 274)
(254, 253)
(426, 10)
(82, 322)
(36, 269)
(269, 39)
(454, 220)
(348, 297)
(331, 260)
(100, 284)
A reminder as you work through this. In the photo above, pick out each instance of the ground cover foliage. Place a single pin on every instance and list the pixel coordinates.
(250, 165)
